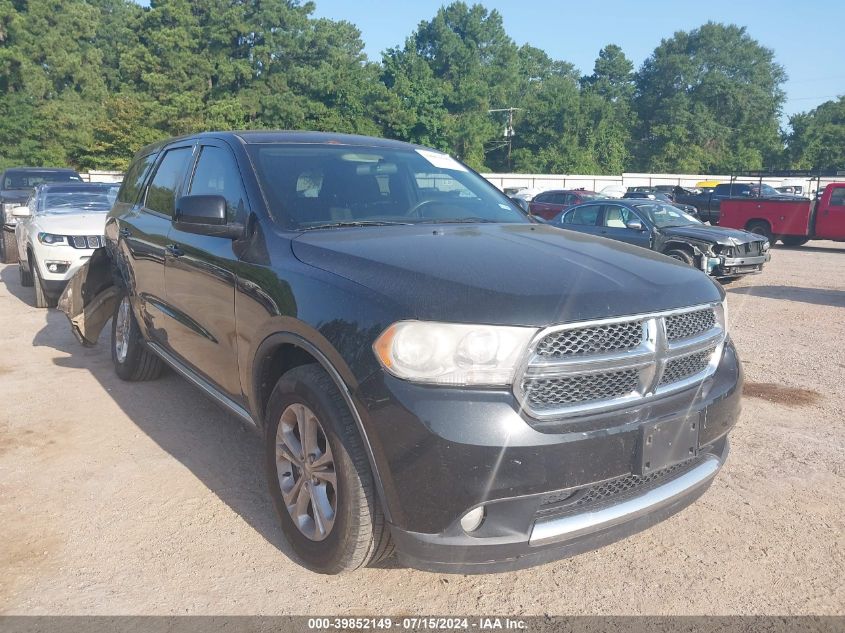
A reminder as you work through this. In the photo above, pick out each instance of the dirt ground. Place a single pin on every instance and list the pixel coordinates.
(122, 498)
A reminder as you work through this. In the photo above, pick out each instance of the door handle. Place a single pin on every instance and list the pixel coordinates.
(173, 250)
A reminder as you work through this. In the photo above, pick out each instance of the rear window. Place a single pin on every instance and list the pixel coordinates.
(30, 179)
(134, 179)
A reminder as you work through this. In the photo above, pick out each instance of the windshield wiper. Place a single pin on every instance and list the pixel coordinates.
(458, 221)
(347, 223)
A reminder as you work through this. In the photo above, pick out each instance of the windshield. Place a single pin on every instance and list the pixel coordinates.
(765, 190)
(73, 200)
(665, 216)
(325, 186)
(31, 179)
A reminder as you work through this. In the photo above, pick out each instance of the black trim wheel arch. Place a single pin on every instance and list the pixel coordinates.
(266, 349)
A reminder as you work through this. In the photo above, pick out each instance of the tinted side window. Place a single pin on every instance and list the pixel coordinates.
(134, 179)
(585, 215)
(217, 174)
(837, 197)
(161, 195)
(617, 217)
(543, 197)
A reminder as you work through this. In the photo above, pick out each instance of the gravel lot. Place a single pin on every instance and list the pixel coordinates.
(148, 499)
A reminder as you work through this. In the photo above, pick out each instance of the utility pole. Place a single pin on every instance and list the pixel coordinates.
(509, 133)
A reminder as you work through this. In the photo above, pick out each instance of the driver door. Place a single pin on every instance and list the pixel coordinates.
(615, 225)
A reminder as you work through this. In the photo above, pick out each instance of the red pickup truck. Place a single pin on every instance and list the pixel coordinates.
(793, 222)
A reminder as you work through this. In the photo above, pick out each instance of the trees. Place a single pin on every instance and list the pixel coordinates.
(709, 100)
(88, 82)
(817, 140)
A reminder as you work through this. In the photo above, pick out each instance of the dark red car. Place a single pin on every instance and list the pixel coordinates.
(549, 203)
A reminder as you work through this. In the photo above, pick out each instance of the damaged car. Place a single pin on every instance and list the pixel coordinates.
(432, 372)
(720, 252)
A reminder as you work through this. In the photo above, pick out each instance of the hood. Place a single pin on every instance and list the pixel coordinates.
(516, 274)
(73, 223)
(713, 234)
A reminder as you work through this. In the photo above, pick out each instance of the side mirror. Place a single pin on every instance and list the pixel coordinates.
(205, 215)
(201, 210)
(635, 225)
(21, 212)
(522, 203)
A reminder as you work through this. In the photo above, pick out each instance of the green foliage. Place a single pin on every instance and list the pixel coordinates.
(818, 137)
(709, 101)
(88, 82)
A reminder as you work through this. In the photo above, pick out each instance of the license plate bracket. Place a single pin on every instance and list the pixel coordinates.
(664, 443)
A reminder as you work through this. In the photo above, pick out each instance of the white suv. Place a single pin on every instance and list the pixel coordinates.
(57, 231)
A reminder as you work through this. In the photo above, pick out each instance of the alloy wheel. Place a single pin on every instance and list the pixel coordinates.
(306, 472)
(121, 331)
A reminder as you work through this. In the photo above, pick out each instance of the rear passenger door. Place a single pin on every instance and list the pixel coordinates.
(142, 238)
(583, 219)
(200, 276)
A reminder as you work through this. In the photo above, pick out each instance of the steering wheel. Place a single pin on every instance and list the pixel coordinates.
(419, 205)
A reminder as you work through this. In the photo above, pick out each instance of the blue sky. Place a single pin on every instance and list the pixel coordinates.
(806, 36)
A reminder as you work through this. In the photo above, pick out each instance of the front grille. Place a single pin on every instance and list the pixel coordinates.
(686, 366)
(688, 324)
(592, 340)
(578, 389)
(86, 241)
(585, 367)
(565, 502)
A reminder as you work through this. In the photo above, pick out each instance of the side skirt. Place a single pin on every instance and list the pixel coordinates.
(212, 392)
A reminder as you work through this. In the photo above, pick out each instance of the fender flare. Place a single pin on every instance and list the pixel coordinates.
(282, 338)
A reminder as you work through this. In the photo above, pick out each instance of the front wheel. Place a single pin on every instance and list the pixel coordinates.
(42, 299)
(10, 246)
(680, 255)
(133, 361)
(319, 476)
(25, 276)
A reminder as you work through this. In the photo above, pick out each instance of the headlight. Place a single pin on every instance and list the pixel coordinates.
(766, 246)
(722, 314)
(452, 353)
(51, 240)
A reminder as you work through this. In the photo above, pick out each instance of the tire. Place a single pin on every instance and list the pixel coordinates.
(355, 533)
(760, 228)
(41, 298)
(25, 276)
(681, 255)
(794, 240)
(10, 247)
(133, 360)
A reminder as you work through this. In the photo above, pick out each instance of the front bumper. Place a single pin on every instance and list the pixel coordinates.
(736, 266)
(67, 261)
(441, 453)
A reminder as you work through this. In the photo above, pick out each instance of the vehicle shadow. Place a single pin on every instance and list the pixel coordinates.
(11, 279)
(814, 249)
(225, 455)
(817, 296)
(218, 449)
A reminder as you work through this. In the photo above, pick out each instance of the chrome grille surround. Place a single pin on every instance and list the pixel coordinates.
(673, 352)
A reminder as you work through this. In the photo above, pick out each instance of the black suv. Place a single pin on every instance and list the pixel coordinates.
(430, 369)
(16, 186)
